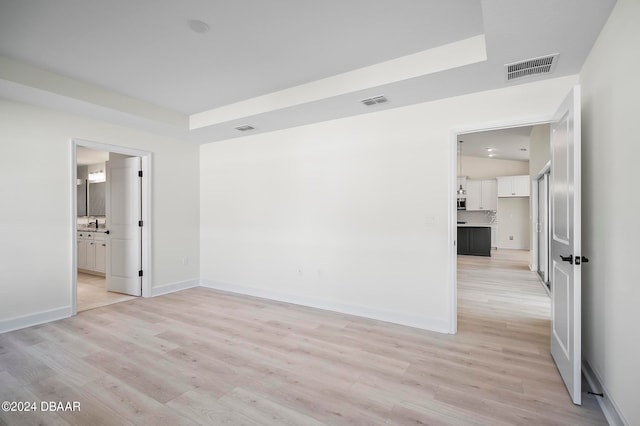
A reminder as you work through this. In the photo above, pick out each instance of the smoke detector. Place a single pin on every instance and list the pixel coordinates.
(198, 26)
(531, 67)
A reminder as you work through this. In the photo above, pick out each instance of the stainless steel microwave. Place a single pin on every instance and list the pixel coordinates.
(462, 203)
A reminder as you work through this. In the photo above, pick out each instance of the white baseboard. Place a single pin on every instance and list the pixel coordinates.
(607, 405)
(170, 288)
(24, 321)
(361, 311)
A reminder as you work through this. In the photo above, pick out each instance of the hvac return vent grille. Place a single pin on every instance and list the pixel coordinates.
(530, 67)
(375, 100)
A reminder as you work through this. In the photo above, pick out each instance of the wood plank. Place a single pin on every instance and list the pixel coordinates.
(202, 356)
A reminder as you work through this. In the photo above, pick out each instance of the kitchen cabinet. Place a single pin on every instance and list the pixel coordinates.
(482, 195)
(474, 240)
(514, 186)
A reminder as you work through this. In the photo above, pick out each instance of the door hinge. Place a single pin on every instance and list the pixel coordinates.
(139, 173)
(140, 273)
(139, 223)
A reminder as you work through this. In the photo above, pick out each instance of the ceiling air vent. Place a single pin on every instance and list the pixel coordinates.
(244, 128)
(534, 66)
(375, 100)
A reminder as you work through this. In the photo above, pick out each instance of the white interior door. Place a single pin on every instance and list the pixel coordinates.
(566, 256)
(124, 241)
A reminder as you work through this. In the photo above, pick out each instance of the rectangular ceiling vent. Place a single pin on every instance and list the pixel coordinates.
(375, 100)
(530, 67)
(244, 128)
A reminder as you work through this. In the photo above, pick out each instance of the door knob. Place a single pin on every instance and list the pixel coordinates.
(567, 258)
(107, 232)
(581, 258)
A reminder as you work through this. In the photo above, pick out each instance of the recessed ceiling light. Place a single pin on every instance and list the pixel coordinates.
(198, 26)
(489, 149)
(492, 155)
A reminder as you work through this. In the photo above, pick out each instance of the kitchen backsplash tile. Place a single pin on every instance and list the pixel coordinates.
(477, 217)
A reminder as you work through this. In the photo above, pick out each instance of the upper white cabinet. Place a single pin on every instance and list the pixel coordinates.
(482, 195)
(489, 195)
(514, 186)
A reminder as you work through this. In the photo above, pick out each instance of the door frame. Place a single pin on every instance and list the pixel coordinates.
(455, 134)
(535, 218)
(145, 157)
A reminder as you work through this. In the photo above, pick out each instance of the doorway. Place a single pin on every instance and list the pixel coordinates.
(495, 162)
(565, 259)
(111, 216)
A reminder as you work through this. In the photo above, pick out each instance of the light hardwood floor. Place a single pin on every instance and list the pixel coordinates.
(206, 357)
(92, 293)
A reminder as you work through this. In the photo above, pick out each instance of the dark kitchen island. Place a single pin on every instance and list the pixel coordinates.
(474, 240)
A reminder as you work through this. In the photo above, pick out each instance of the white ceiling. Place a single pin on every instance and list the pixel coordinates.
(503, 144)
(86, 156)
(138, 63)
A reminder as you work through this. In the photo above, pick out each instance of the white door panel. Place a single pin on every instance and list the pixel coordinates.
(565, 244)
(560, 316)
(124, 255)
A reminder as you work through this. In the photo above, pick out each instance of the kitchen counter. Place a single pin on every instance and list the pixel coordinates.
(476, 225)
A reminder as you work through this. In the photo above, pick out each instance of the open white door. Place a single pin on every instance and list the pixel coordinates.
(124, 242)
(566, 255)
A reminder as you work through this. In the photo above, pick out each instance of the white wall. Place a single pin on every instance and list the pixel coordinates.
(352, 214)
(35, 218)
(513, 221)
(489, 168)
(611, 289)
(539, 148)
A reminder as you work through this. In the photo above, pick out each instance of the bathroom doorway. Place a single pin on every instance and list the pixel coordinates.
(110, 222)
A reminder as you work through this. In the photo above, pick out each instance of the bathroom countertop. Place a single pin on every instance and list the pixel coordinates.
(100, 230)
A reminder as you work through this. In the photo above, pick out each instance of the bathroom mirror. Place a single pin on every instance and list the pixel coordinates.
(82, 198)
(96, 195)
